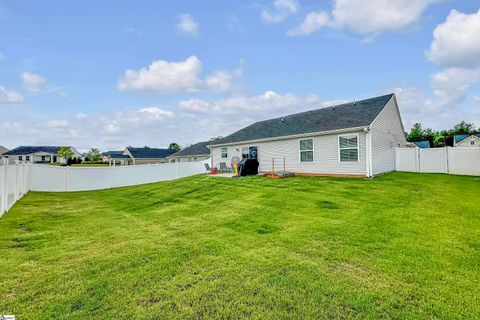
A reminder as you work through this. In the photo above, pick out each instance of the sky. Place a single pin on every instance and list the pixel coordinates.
(110, 74)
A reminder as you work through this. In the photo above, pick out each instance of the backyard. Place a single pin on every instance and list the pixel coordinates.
(396, 246)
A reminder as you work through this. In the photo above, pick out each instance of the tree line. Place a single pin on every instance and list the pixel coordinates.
(440, 138)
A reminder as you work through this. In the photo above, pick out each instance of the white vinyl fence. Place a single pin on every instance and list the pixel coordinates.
(463, 161)
(16, 180)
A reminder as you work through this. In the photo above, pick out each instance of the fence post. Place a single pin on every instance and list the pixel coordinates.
(67, 171)
(446, 160)
(148, 172)
(112, 173)
(15, 187)
(3, 204)
(417, 159)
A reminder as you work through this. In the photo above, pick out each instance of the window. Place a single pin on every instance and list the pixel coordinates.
(20, 158)
(348, 147)
(245, 153)
(306, 150)
(43, 158)
(27, 158)
(224, 152)
(472, 143)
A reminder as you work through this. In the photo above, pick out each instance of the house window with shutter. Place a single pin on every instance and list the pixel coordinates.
(306, 150)
(348, 147)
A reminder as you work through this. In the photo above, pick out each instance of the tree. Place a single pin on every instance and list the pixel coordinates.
(416, 133)
(94, 155)
(65, 152)
(464, 128)
(175, 146)
(438, 138)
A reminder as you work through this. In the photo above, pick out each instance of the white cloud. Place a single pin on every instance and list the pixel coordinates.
(451, 86)
(81, 116)
(282, 10)
(313, 22)
(263, 104)
(456, 41)
(177, 77)
(164, 77)
(367, 17)
(133, 30)
(10, 96)
(157, 113)
(58, 124)
(33, 82)
(187, 25)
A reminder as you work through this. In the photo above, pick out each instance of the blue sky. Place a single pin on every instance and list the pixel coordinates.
(115, 73)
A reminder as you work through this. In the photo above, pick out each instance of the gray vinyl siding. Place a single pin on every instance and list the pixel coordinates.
(387, 133)
(325, 159)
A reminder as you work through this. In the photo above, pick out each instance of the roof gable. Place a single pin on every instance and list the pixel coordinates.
(349, 115)
(150, 153)
(460, 137)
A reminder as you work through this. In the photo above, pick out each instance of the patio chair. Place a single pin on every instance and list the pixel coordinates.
(207, 168)
(223, 167)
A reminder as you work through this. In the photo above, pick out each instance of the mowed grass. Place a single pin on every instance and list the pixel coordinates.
(397, 246)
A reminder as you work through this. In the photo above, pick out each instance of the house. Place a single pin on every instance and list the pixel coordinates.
(466, 140)
(37, 154)
(354, 139)
(3, 150)
(117, 157)
(196, 152)
(422, 144)
(148, 155)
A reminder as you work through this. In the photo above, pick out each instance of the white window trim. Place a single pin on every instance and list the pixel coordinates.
(300, 151)
(358, 146)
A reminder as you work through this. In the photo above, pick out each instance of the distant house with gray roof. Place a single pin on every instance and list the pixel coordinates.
(3, 150)
(354, 139)
(37, 154)
(195, 152)
(117, 157)
(466, 140)
(148, 155)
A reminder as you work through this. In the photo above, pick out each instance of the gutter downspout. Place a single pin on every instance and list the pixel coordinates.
(368, 152)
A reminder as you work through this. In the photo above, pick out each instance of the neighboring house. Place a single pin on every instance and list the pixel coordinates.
(196, 152)
(466, 140)
(354, 139)
(3, 150)
(148, 155)
(117, 157)
(422, 144)
(37, 154)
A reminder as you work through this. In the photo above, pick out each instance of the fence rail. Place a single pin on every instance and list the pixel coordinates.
(16, 180)
(461, 161)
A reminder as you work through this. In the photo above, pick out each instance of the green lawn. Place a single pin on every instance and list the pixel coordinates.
(398, 246)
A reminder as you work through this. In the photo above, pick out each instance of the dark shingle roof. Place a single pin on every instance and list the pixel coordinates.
(348, 115)
(197, 149)
(422, 144)
(31, 149)
(115, 154)
(460, 137)
(150, 153)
